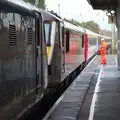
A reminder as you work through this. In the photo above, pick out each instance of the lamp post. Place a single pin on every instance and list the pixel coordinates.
(111, 16)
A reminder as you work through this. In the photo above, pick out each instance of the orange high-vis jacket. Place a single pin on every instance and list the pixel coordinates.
(103, 48)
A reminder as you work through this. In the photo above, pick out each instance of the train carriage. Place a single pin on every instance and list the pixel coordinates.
(74, 47)
(59, 46)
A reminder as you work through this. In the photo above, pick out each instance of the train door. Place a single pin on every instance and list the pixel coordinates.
(62, 35)
(67, 41)
(39, 57)
(83, 39)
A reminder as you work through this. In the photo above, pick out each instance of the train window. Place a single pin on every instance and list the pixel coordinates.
(12, 35)
(92, 41)
(57, 32)
(47, 32)
(82, 40)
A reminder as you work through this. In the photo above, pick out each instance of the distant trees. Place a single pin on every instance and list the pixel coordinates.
(91, 25)
(41, 3)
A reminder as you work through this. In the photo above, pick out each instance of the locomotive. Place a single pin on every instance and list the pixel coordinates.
(23, 61)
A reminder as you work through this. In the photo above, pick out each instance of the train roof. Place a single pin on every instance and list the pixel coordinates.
(69, 26)
(105, 37)
(93, 34)
(46, 15)
(72, 27)
(49, 16)
(90, 33)
(19, 6)
(53, 16)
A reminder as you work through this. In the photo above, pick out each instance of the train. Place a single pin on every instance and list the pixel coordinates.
(68, 46)
(38, 50)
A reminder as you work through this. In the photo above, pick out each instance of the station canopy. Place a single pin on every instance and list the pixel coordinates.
(103, 4)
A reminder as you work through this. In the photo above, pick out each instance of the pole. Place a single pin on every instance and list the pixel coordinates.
(59, 9)
(118, 34)
(113, 37)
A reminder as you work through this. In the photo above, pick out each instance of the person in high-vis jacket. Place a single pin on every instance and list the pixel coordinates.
(102, 50)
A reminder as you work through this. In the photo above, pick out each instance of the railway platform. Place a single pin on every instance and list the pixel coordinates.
(94, 94)
(102, 101)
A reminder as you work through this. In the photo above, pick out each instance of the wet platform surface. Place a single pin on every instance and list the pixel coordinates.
(74, 96)
(107, 97)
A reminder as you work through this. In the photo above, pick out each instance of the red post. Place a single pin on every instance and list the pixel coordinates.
(86, 47)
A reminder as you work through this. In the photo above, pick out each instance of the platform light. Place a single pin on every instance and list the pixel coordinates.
(108, 14)
(112, 11)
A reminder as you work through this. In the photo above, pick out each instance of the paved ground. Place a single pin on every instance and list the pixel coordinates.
(103, 103)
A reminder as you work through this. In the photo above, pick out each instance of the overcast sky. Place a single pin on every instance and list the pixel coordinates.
(79, 10)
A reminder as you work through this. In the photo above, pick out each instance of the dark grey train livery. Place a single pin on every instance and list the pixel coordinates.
(23, 62)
